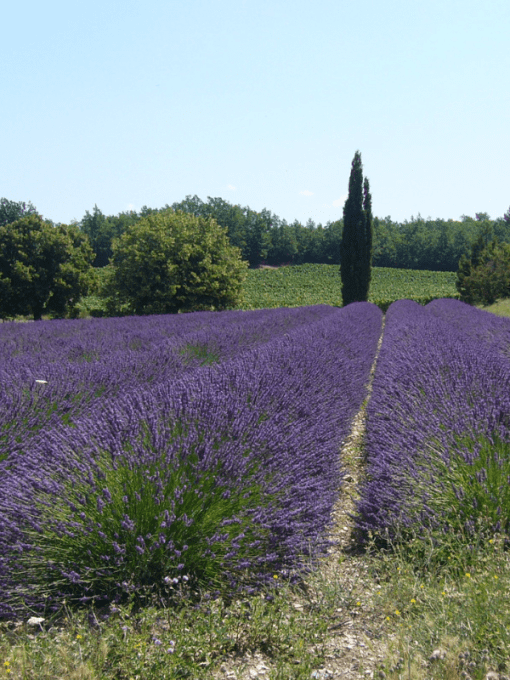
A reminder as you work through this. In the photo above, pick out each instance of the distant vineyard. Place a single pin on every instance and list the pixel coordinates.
(313, 284)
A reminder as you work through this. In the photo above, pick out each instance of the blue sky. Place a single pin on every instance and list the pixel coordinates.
(260, 102)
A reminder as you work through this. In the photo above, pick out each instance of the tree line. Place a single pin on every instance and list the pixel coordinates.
(193, 255)
(265, 238)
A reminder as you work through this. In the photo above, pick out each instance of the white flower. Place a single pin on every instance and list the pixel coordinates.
(35, 621)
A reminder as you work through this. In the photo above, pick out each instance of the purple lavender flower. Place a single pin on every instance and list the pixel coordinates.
(442, 377)
(258, 432)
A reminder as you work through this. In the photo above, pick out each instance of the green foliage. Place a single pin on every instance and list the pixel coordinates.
(101, 231)
(401, 608)
(459, 605)
(468, 498)
(366, 271)
(284, 246)
(356, 251)
(435, 245)
(467, 264)
(44, 269)
(95, 302)
(390, 284)
(201, 352)
(490, 281)
(485, 277)
(500, 308)
(474, 484)
(248, 230)
(173, 261)
(10, 211)
(263, 237)
(317, 284)
(192, 639)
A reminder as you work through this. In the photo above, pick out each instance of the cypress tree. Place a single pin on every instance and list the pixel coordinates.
(369, 232)
(356, 251)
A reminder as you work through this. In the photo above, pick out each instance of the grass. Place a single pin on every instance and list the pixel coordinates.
(410, 608)
(157, 642)
(200, 352)
(459, 610)
(501, 308)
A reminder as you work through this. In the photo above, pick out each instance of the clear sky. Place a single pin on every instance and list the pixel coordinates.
(124, 103)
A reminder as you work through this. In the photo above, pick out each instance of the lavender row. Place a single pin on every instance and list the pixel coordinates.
(99, 339)
(476, 324)
(438, 419)
(232, 467)
(59, 368)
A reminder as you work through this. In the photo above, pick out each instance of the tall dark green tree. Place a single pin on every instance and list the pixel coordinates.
(369, 237)
(357, 236)
(477, 278)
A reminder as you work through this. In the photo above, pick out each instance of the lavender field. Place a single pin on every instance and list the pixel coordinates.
(438, 423)
(157, 471)
(136, 452)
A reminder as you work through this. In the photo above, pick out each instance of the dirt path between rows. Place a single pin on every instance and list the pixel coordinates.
(355, 646)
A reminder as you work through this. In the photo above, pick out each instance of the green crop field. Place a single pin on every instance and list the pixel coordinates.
(320, 284)
(314, 284)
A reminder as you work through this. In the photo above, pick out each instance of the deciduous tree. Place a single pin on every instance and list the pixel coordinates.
(10, 211)
(173, 261)
(102, 229)
(44, 269)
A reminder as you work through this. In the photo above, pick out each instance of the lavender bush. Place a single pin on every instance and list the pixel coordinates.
(226, 473)
(438, 438)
